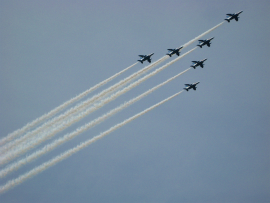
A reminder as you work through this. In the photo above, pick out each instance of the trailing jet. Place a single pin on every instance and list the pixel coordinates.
(174, 51)
(198, 63)
(145, 57)
(204, 42)
(189, 86)
(233, 16)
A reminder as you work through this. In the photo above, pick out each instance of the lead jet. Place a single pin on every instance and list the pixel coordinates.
(198, 63)
(233, 16)
(204, 42)
(145, 57)
(174, 51)
(189, 86)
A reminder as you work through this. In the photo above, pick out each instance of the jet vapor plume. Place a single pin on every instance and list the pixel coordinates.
(12, 183)
(4, 149)
(69, 136)
(58, 109)
(46, 116)
(30, 145)
(200, 36)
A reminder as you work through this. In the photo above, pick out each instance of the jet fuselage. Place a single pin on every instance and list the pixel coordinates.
(191, 86)
(233, 16)
(205, 42)
(145, 57)
(174, 51)
(198, 63)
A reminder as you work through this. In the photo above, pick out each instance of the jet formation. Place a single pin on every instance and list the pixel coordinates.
(202, 43)
(198, 63)
(233, 16)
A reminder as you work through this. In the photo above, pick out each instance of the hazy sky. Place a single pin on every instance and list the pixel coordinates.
(209, 145)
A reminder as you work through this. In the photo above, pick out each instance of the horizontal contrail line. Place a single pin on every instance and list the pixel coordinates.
(12, 183)
(69, 136)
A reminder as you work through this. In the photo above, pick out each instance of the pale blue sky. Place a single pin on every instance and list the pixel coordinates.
(211, 145)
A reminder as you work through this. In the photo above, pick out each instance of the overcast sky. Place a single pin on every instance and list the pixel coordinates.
(209, 145)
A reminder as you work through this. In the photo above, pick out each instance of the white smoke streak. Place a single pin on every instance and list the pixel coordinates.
(77, 108)
(55, 121)
(69, 136)
(12, 183)
(30, 145)
(46, 116)
(197, 38)
(30, 125)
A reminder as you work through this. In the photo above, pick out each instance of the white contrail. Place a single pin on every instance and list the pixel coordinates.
(30, 145)
(69, 136)
(4, 149)
(9, 146)
(30, 125)
(24, 129)
(12, 183)
(196, 38)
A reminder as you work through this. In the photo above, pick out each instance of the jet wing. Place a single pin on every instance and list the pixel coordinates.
(142, 56)
(170, 49)
(187, 85)
(195, 61)
(201, 40)
(229, 14)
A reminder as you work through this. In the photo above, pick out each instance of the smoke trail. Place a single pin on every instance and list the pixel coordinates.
(12, 183)
(196, 38)
(53, 122)
(29, 145)
(18, 132)
(78, 107)
(11, 136)
(69, 136)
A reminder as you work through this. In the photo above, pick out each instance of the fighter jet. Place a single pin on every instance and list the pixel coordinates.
(145, 57)
(198, 63)
(174, 51)
(189, 86)
(233, 16)
(204, 42)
